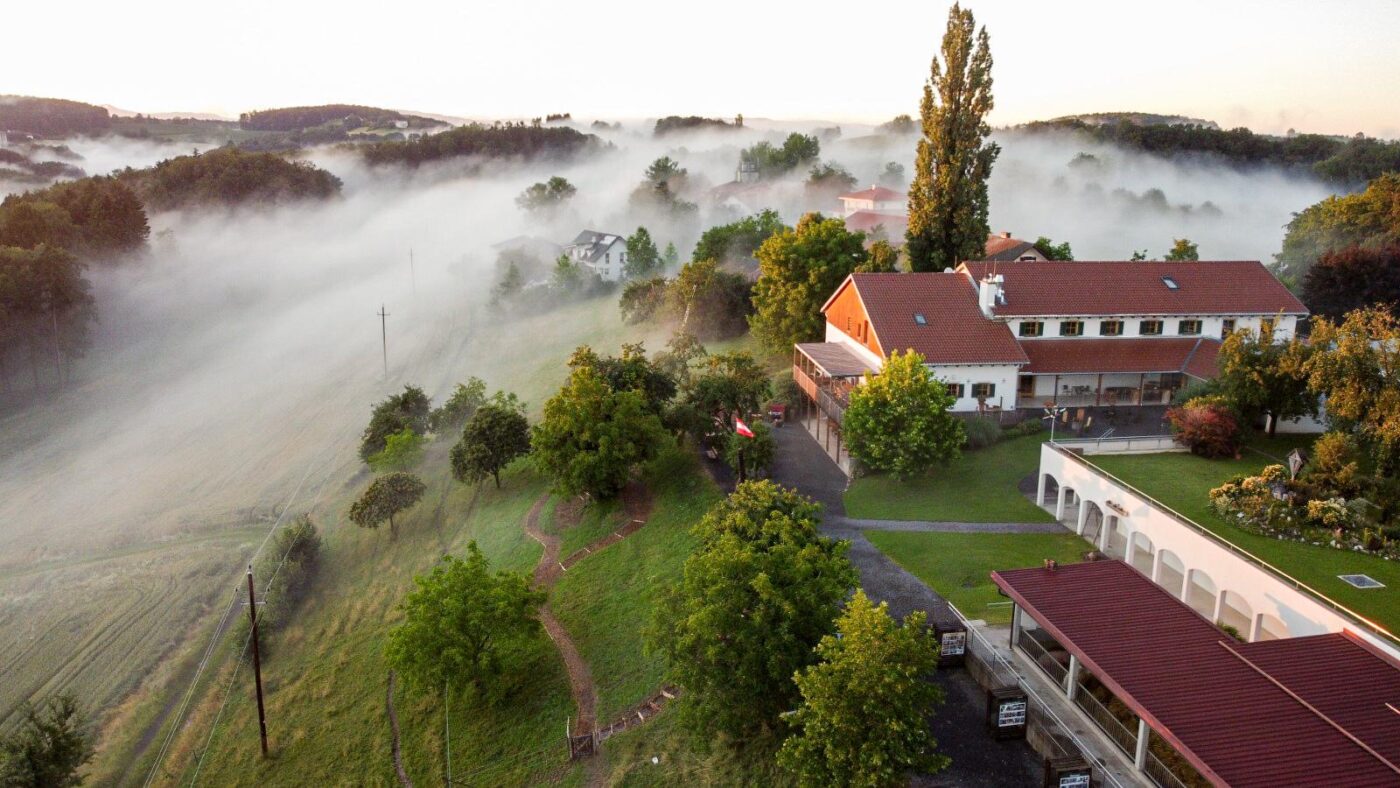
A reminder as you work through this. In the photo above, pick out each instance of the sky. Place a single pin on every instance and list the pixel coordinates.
(1271, 65)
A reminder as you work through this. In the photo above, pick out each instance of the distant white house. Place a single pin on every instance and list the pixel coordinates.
(603, 253)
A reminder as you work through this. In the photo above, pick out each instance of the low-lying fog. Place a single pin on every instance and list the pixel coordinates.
(242, 353)
(245, 347)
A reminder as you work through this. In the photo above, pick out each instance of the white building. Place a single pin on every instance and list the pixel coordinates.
(1035, 332)
(603, 253)
(876, 199)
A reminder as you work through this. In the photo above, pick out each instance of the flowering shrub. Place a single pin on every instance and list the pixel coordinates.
(1332, 514)
(1251, 498)
(1206, 427)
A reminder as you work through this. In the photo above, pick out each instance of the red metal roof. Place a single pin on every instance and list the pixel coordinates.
(1235, 287)
(1239, 723)
(876, 193)
(1193, 355)
(954, 330)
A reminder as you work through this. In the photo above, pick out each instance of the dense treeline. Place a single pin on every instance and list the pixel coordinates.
(298, 118)
(229, 176)
(499, 140)
(1346, 162)
(672, 123)
(92, 217)
(48, 117)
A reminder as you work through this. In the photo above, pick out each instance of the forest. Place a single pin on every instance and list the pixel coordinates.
(1342, 162)
(45, 117)
(229, 176)
(498, 140)
(299, 118)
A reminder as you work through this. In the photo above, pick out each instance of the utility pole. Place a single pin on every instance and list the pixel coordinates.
(384, 337)
(257, 663)
(412, 272)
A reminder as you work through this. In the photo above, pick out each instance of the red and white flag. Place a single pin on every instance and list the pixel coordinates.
(742, 428)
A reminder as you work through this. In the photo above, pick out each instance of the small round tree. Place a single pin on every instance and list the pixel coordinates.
(494, 436)
(385, 497)
(863, 718)
(898, 421)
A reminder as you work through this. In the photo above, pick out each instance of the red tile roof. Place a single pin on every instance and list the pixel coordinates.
(1233, 720)
(954, 331)
(876, 193)
(865, 221)
(1238, 287)
(1193, 355)
(1002, 248)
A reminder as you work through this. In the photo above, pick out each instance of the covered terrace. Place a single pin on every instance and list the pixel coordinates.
(1193, 706)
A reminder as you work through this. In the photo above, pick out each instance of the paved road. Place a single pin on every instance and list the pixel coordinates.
(978, 760)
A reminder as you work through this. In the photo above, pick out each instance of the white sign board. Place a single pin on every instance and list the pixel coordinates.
(1011, 714)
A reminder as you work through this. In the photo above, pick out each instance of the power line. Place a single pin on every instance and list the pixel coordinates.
(218, 630)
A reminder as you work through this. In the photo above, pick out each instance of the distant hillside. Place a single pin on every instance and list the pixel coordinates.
(229, 176)
(47, 117)
(349, 115)
(1344, 162)
(497, 141)
(1137, 119)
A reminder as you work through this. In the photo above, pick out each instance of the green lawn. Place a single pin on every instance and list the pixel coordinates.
(605, 600)
(1183, 482)
(959, 565)
(979, 487)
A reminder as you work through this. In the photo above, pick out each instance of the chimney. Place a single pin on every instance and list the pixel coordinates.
(989, 293)
(1051, 564)
(1005, 234)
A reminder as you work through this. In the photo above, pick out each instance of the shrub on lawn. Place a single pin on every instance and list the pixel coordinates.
(982, 433)
(1031, 426)
(1207, 428)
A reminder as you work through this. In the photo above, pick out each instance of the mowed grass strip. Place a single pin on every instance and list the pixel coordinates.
(959, 565)
(1184, 481)
(979, 487)
(606, 600)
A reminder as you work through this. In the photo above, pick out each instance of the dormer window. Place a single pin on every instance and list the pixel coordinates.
(1170, 283)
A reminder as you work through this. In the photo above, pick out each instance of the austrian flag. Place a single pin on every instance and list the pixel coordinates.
(742, 428)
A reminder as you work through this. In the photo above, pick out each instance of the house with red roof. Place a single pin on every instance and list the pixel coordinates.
(876, 199)
(1032, 333)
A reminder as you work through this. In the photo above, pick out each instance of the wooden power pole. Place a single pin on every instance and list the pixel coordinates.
(257, 664)
(384, 338)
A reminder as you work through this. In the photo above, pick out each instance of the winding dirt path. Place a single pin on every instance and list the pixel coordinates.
(637, 506)
(394, 728)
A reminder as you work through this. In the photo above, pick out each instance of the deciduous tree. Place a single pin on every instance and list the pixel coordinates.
(459, 407)
(948, 198)
(463, 622)
(385, 497)
(1370, 219)
(493, 437)
(1052, 250)
(898, 421)
(756, 596)
(548, 198)
(593, 436)
(642, 257)
(1182, 250)
(1261, 377)
(798, 270)
(1356, 366)
(863, 720)
(1356, 277)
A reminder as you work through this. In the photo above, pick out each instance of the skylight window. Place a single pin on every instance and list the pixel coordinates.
(1170, 283)
(920, 319)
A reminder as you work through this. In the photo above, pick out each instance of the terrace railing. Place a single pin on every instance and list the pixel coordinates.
(831, 395)
(1354, 617)
(1042, 658)
(1106, 720)
(1161, 774)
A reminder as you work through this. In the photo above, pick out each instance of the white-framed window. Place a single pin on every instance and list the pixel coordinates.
(984, 390)
(1150, 328)
(1031, 328)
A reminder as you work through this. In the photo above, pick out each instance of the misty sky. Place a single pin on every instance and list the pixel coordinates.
(1269, 64)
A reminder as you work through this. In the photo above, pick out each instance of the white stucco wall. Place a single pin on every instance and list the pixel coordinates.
(1211, 325)
(1148, 527)
(1002, 376)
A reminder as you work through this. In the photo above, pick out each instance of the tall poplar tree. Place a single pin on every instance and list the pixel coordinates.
(948, 198)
